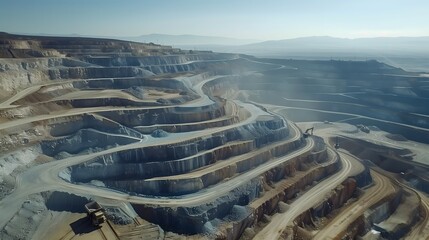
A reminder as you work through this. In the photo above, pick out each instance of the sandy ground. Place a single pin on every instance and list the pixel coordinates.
(67, 225)
(151, 96)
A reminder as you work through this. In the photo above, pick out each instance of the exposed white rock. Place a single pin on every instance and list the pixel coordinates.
(10, 161)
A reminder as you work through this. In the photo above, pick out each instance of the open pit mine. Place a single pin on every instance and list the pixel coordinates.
(108, 139)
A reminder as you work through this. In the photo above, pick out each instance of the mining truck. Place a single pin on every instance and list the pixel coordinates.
(95, 213)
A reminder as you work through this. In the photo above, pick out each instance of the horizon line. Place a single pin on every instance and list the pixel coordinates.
(212, 36)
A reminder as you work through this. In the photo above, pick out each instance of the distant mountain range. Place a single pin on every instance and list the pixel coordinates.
(326, 45)
(315, 47)
(411, 53)
(394, 45)
(312, 45)
(165, 39)
(189, 40)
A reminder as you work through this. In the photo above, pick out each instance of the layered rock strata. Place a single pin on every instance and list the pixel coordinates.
(161, 131)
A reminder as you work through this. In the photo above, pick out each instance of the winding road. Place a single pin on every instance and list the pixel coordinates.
(280, 221)
(46, 177)
(381, 189)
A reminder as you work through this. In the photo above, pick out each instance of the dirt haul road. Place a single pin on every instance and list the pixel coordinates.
(382, 188)
(279, 222)
(46, 177)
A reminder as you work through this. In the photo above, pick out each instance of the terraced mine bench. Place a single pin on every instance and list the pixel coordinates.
(170, 143)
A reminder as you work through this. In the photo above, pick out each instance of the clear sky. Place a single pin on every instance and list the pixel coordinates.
(251, 19)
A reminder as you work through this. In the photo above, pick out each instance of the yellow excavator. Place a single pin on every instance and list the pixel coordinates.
(308, 132)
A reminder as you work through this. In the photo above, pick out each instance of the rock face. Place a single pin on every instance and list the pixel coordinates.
(402, 213)
(170, 134)
(81, 140)
(338, 197)
(153, 121)
(364, 178)
(131, 170)
(196, 218)
(191, 220)
(391, 159)
(418, 180)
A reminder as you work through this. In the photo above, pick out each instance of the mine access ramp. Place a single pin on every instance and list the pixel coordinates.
(95, 213)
